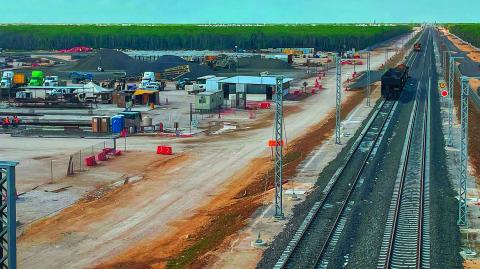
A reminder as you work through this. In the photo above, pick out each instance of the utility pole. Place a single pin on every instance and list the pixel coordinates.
(368, 79)
(451, 92)
(278, 147)
(463, 168)
(338, 103)
(9, 219)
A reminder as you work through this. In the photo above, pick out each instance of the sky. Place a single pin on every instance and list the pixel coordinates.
(239, 11)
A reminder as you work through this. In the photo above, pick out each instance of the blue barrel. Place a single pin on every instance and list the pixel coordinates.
(118, 123)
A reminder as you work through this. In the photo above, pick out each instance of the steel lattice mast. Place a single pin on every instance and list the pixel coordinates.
(368, 79)
(463, 168)
(451, 92)
(278, 129)
(8, 215)
(338, 99)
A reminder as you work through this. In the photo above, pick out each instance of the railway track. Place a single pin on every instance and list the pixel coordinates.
(313, 244)
(320, 229)
(406, 238)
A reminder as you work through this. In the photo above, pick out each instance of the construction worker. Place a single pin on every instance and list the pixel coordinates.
(16, 121)
(6, 122)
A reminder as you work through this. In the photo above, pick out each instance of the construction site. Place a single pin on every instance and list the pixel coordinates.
(163, 152)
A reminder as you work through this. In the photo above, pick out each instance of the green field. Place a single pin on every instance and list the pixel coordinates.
(467, 32)
(216, 37)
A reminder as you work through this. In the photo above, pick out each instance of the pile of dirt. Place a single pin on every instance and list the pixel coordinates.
(113, 60)
(257, 62)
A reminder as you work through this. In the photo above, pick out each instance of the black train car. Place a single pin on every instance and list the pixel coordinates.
(393, 82)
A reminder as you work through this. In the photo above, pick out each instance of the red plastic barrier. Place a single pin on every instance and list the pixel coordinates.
(314, 91)
(101, 156)
(90, 161)
(117, 153)
(107, 150)
(265, 105)
(164, 150)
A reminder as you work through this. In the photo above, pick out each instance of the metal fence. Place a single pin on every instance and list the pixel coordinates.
(77, 159)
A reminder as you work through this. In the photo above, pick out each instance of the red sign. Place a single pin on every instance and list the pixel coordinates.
(444, 93)
(273, 143)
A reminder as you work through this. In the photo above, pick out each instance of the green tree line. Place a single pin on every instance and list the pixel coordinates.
(215, 37)
(467, 32)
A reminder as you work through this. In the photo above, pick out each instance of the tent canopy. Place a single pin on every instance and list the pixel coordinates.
(140, 92)
(92, 88)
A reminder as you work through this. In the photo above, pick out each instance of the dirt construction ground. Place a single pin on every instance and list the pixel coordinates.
(148, 222)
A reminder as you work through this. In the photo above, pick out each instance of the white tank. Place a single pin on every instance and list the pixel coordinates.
(146, 121)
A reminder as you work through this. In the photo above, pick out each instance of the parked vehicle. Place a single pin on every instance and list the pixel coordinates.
(37, 78)
(7, 79)
(10, 83)
(51, 81)
(181, 83)
(151, 80)
(147, 78)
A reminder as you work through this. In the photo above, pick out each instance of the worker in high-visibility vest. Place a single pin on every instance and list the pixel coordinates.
(6, 122)
(16, 121)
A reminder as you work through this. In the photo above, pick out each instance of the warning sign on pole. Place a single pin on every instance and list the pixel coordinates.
(442, 84)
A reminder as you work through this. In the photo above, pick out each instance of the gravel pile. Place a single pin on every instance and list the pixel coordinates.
(262, 63)
(110, 59)
(113, 60)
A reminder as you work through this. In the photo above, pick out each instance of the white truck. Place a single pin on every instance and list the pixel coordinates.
(51, 81)
(147, 78)
(6, 81)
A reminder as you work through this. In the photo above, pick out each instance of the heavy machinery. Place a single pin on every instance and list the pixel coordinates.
(417, 47)
(393, 82)
(222, 61)
(37, 78)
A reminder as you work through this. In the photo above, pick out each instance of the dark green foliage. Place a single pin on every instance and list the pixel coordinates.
(467, 32)
(156, 37)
